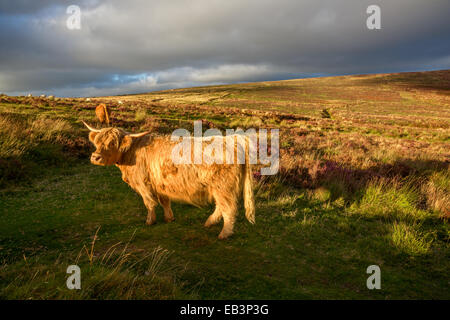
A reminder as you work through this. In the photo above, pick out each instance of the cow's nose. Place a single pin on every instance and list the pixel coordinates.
(95, 157)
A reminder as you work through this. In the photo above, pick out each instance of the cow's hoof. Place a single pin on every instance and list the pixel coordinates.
(169, 220)
(223, 235)
(211, 221)
(149, 223)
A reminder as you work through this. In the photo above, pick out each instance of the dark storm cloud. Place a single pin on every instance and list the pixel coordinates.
(138, 46)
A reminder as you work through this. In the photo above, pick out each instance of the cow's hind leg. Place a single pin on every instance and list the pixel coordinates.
(214, 218)
(229, 217)
(165, 203)
(226, 206)
(228, 224)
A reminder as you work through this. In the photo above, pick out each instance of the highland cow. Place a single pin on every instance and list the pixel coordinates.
(102, 113)
(146, 165)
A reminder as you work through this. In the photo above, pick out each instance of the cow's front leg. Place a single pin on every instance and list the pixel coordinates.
(151, 204)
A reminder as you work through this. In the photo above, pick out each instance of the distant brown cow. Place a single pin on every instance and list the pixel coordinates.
(101, 111)
(146, 165)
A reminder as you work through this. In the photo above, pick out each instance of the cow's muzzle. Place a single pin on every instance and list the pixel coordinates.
(96, 158)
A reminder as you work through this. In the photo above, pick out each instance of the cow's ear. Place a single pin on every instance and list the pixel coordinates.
(125, 144)
(92, 135)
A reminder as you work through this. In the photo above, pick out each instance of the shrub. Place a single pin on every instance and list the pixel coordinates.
(325, 114)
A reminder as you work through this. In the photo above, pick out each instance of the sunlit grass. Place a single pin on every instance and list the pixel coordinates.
(390, 200)
(409, 240)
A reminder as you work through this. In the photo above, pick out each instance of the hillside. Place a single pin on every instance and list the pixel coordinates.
(364, 179)
(399, 94)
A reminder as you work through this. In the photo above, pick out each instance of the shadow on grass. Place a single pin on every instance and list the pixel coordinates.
(348, 181)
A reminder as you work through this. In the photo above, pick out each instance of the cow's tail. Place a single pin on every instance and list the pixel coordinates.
(249, 201)
(106, 114)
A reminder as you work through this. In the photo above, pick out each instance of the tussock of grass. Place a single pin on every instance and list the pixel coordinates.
(408, 239)
(47, 129)
(321, 194)
(141, 114)
(12, 137)
(389, 200)
(25, 142)
(21, 135)
(437, 192)
(12, 146)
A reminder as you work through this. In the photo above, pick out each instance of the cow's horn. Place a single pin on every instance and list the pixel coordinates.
(137, 135)
(90, 128)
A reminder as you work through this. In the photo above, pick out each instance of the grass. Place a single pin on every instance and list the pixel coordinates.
(116, 272)
(370, 185)
(390, 200)
(409, 240)
(141, 114)
(29, 143)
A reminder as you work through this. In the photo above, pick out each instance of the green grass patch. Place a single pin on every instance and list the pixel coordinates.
(390, 200)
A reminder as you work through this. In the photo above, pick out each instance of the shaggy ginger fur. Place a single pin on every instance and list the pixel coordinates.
(102, 113)
(147, 166)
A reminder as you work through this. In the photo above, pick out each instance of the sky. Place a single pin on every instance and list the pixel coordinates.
(136, 46)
